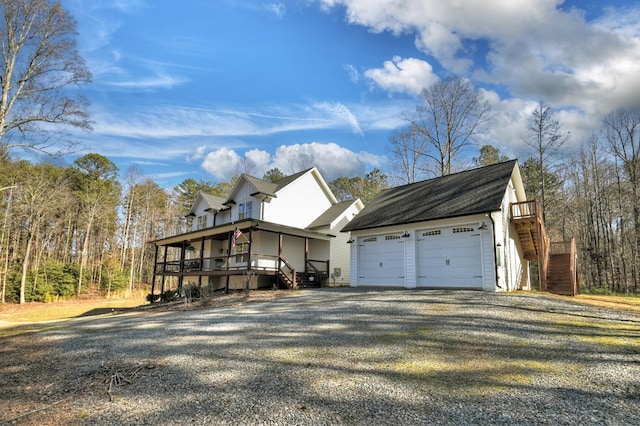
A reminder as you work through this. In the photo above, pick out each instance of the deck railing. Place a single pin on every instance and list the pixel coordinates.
(217, 263)
(526, 210)
(531, 211)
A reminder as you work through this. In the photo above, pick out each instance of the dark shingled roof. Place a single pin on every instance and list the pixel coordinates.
(214, 202)
(460, 194)
(331, 214)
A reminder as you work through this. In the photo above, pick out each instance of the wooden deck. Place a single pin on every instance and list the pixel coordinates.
(557, 261)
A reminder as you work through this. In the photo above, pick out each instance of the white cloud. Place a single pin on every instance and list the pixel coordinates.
(535, 49)
(198, 154)
(408, 75)
(338, 113)
(222, 163)
(354, 75)
(163, 122)
(159, 81)
(278, 9)
(261, 159)
(331, 159)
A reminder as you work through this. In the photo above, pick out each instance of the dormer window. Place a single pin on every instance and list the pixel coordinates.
(245, 210)
(201, 222)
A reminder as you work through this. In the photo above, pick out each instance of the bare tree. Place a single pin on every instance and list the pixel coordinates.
(452, 115)
(408, 150)
(546, 138)
(622, 132)
(38, 61)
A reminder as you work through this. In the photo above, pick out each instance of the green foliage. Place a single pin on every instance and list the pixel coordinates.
(530, 171)
(186, 192)
(365, 188)
(52, 280)
(62, 278)
(489, 155)
(113, 278)
(273, 175)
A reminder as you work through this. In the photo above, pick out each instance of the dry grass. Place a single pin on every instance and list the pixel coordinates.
(14, 314)
(622, 303)
(38, 312)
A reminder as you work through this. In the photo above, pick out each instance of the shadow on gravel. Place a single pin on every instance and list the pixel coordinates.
(347, 356)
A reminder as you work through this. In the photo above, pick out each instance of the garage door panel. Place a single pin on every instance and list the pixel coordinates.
(449, 257)
(381, 260)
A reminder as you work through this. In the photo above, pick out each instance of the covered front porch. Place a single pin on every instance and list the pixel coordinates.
(245, 255)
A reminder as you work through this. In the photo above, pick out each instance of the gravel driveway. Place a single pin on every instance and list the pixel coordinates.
(333, 356)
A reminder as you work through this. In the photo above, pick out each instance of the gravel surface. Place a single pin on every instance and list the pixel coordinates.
(333, 356)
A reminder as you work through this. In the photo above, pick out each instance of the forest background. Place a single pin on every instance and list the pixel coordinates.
(74, 230)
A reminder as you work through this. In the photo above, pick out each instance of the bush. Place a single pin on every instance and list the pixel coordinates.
(153, 298)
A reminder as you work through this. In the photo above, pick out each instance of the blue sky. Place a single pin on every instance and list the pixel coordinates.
(206, 89)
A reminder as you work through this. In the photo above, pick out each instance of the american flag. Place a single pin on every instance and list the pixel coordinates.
(236, 235)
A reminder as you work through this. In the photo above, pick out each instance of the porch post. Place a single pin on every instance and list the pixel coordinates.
(250, 246)
(164, 269)
(306, 254)
(226, 289)
(201, 262)
(280, 238)
(155, 265)
(183, 251)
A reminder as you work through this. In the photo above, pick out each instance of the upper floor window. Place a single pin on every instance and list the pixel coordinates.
(245, 210)
(202, 222)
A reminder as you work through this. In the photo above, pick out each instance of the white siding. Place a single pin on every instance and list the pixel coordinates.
(298, 204)
(198, 210)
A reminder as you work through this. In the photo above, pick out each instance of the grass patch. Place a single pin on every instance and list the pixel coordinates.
(623, 303)
(616, 335)
(39, 312)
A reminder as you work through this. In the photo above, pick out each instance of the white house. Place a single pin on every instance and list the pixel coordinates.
(454, 231)
(262, 234)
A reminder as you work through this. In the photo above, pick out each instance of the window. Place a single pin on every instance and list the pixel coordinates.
(245, 210)
(369, 240)
(431, 233)
(241, 252)
(202, 222)
(462, 229)
(391, 237)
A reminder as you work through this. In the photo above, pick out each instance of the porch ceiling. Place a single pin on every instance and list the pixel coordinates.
(222, 232)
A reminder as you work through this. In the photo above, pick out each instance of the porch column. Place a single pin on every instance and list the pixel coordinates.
(250, 247)
(201, 262)
(155, 265)
(280, 241)
(183, 251)
(306, 253)
(164, 269)
(226, 289)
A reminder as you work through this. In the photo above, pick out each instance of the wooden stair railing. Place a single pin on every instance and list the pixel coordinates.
(287, 273)
(557, 261)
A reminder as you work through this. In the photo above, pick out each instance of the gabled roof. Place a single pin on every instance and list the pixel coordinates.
(470, 192)
(213, 203)
(281, 183)
(270, 189)
(262, 186)
(333, 213)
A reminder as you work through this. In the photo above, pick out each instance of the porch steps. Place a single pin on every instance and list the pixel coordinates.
(309, 279)
(560, 276)
(285, 281)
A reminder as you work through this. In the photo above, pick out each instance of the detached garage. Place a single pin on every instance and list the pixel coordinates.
(449, 232)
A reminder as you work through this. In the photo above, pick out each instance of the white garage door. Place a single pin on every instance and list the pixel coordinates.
(449, 257)
(381, 260)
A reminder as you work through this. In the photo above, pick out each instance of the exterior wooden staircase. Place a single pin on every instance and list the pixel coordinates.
(557, 261)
